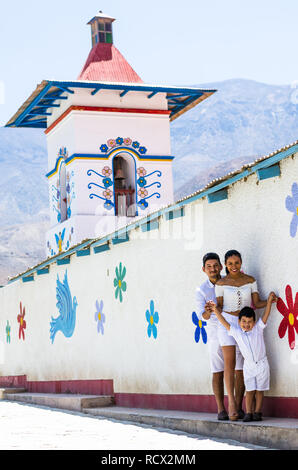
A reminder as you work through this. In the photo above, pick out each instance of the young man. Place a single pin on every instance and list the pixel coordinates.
(205, 293)
(249, 336)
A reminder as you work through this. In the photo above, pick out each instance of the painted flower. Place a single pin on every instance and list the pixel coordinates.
(152, 318)
(22, 322)
(142, 150)
(106, 171)
(142, 181)
(290, 313)
(200, 330)
(111, 142)
(99, 317)
(107, 182)
(108, 194)
(68, 188)
(119, 141)
(143, 204)
(292, 206)
(127, 141)
(135, 144)
(104, 148)
(142, 192)
(108, 204)
(141, 171)
(7, 329)
(119, 283)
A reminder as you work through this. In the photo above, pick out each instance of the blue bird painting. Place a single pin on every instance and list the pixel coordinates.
(67, 306)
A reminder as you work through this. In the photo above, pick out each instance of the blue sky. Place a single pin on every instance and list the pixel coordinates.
(166, 41)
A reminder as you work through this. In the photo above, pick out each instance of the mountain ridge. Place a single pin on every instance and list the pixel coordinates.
(242, 121)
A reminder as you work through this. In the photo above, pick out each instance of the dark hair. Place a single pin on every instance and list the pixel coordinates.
(232, 253)
(209, 256)
(247, 312)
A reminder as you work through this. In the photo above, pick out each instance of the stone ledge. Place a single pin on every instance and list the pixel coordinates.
(273, 433)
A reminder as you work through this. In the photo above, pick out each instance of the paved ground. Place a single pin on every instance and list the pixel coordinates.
(31, 427)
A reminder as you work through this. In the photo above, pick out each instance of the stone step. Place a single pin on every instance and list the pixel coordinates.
(9, 390)
(66, 401)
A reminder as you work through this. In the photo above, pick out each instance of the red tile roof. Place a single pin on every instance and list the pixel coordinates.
(106, 64)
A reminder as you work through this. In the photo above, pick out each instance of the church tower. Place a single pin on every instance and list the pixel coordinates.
(108, 138)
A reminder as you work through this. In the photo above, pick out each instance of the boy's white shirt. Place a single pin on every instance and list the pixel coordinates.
(251, 343)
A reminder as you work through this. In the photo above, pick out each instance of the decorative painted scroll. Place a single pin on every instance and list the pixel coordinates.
(143, 186)
(106, 182)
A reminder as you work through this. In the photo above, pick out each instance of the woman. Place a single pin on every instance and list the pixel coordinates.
(233, 292)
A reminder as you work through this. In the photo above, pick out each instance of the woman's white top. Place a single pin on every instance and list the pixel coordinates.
(235, 298)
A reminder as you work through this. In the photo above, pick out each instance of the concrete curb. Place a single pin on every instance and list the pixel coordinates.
(273, 433)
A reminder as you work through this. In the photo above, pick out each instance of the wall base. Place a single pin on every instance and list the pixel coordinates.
(279, 407)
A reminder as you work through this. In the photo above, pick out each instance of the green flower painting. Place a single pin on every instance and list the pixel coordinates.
(119, 283)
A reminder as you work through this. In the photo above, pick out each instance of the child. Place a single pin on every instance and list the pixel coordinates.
(249, 337)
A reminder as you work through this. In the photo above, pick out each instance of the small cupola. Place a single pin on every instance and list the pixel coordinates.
(101, 29)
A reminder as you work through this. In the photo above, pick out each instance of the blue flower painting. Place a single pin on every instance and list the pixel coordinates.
(152, 318)
(200, 330)
(100, 317)
(292, 206)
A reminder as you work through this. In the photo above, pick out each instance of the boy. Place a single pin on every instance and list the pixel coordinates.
(249, 337)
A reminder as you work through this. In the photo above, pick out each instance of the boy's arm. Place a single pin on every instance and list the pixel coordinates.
(218, 313)
(271, 298)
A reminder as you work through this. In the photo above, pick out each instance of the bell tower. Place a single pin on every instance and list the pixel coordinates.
(109, 148)
(108, 139)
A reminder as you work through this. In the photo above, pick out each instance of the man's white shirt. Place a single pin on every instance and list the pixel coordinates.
(204, 293)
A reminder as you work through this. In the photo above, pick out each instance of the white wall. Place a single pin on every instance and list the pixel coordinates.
(165, 268)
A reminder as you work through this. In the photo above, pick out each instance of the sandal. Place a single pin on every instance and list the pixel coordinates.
(233, 416)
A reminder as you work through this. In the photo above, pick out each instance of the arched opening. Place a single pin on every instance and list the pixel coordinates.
(62, 189)
(124, 172)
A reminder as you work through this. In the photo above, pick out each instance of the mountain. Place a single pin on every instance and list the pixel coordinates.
(242, 121)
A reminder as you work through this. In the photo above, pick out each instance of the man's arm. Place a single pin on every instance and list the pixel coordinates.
(201, 305)
(219, 316)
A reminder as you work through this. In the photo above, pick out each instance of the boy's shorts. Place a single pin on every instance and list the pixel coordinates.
(257, 376)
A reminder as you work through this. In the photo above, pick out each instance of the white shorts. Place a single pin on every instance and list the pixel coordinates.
(216, 357)
(257, 376)
(225, 339)
(223, 335)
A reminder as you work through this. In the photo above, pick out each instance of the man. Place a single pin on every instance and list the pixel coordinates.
(212, 268)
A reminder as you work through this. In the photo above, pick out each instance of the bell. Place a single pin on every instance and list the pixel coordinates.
(119, 174)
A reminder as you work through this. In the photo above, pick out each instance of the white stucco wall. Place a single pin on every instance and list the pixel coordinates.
(164, 266)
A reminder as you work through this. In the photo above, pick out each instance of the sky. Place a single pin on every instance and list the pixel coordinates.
(167, 42)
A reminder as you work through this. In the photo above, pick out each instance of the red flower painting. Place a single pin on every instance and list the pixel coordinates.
(22, 322)
(290, 314)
